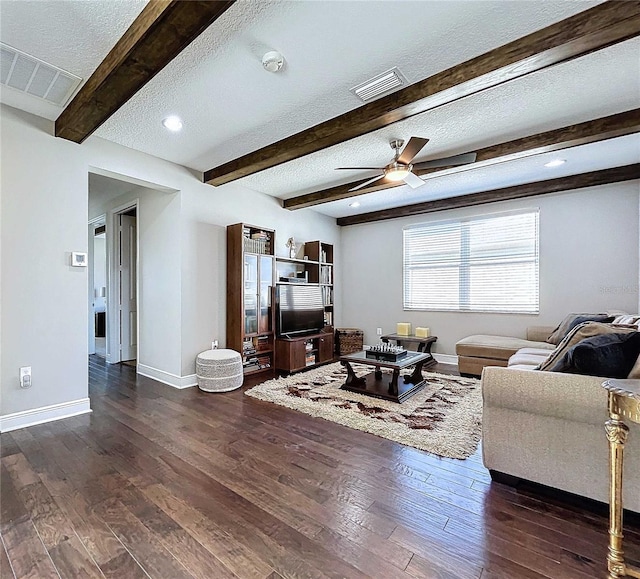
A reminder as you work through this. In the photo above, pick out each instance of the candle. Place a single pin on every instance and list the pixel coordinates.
(403, 329)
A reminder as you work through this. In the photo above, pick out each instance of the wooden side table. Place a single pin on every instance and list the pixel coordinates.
(424, 344)
(624, 402)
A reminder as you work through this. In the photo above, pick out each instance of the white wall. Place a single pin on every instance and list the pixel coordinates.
(44, 299)
(44, 216)
(204, 256)
(588, 263)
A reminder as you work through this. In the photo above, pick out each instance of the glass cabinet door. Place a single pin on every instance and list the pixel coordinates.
(250, 293)
(266, 283)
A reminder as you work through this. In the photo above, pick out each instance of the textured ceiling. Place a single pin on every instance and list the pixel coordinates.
(231, 106)
(604, 83)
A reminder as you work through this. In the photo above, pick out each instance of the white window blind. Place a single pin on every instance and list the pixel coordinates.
(487, 263)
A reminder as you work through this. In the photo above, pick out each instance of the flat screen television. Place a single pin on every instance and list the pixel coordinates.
(299, 309)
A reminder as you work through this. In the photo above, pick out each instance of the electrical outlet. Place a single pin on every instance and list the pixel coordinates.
(25, 377)
(214, 345)
(379, 331)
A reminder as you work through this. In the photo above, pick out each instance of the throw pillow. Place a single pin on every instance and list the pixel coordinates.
(627, 320)
(571, 321)
(606, 355)
(577, 334)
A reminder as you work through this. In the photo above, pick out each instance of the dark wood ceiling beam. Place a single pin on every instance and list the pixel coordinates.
(601, 26)
(159, 33)
(601, 129)
(603, 177)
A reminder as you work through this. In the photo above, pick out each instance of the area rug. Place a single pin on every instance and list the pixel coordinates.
(443, 418)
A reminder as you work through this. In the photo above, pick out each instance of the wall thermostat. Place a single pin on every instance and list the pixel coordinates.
(78, 259)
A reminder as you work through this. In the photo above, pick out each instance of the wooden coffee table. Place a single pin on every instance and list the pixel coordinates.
(388, 386)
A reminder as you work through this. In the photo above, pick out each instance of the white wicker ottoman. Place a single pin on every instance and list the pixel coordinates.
(219, 370)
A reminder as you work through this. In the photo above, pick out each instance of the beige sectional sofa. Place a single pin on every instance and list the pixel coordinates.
(545, 426)
(548, 427)
(476, 352)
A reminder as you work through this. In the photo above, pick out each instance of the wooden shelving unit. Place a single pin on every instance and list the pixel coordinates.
(293, 354)
(250, 286)
(252, 273)
(323, 274)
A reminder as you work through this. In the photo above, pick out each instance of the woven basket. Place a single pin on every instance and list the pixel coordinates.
(348, 340)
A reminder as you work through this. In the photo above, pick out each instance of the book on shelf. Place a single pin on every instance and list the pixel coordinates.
(259, 362)
(325, 274)
(327, 295)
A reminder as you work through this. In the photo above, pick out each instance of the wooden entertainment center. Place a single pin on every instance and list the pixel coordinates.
(253, 270)
(294, 354)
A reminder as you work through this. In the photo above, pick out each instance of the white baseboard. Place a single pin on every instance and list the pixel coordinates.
(44, 414)
(446, 358)
(166, 377)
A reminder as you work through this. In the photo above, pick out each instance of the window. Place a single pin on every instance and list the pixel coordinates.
(480, 264)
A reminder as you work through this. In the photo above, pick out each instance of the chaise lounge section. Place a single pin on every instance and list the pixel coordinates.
(477, 351)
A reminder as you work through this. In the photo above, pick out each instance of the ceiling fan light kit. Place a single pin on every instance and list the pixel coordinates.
(401, 167)
(397, 172)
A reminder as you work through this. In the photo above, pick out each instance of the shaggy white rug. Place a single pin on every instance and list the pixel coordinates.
(443, 418)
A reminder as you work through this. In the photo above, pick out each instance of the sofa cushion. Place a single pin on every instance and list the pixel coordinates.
(571, 321)
(529, 357)
(495, 347)
(605, 355)
(581, 332)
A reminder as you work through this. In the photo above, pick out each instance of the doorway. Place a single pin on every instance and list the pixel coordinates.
(127, 284)
(99, 288)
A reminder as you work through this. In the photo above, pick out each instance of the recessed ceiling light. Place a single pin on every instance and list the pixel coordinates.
(555, 163)
(172, 123)
(273, 61)
(355, 204)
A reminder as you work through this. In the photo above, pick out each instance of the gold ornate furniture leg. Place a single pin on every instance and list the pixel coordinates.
(617, 435)
(624, 402)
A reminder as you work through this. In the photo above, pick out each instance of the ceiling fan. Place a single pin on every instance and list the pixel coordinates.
(401, 168)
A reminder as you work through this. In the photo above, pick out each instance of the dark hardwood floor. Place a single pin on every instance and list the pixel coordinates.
(159, 482)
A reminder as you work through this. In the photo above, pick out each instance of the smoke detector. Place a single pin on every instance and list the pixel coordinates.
(273, 61)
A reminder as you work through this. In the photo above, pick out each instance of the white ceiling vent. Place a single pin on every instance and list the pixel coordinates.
(379, 85)
(28, 74)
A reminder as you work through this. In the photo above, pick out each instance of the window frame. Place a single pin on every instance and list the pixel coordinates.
(466, 262)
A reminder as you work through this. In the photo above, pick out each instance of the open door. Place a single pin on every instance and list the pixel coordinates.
(128, 290)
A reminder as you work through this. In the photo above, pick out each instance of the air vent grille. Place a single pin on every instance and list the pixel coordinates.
(28, 74)
(379, 85)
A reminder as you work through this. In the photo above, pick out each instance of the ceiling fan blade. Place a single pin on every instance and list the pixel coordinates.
(414, 146)
(367, 182)
(463, 159)
(359, 168)
(413, 180)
